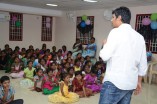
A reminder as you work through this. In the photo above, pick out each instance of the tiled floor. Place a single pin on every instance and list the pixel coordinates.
(148, 95)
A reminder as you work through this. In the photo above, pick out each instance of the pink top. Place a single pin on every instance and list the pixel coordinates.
(47, 84)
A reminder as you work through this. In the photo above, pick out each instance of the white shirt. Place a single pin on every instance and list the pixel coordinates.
(125, 53)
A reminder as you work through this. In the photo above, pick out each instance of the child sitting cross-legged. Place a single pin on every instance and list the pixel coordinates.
(28, 76)
(38, 80)
(91, 81)
(16, 67)
(64, 96)
(79, 85)
(50, 83)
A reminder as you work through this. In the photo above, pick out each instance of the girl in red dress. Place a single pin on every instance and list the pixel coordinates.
(78, 86)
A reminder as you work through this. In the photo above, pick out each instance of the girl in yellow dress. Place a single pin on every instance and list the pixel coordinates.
(64, 96)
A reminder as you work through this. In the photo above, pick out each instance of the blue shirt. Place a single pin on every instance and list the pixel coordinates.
(10, 93)
(92, 45)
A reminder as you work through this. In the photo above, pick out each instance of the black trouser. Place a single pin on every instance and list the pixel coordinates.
(18, 101)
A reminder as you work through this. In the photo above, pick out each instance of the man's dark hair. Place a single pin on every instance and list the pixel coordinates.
(4, 78)
(125, 14)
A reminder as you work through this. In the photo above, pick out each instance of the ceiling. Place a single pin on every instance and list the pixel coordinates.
(79, 4)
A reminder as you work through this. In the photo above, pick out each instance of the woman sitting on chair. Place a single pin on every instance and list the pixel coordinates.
(77, 48)
(91, 48)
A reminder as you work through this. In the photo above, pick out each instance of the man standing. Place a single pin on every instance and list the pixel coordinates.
(125, 53)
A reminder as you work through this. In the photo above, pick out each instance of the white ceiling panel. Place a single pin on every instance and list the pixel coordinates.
(79, 4)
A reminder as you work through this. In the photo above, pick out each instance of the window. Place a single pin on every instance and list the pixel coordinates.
(15, 27)
(85, 38)
(46, 33)
(149, 34)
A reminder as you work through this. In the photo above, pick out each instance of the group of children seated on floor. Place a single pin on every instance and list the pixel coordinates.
(55, 73)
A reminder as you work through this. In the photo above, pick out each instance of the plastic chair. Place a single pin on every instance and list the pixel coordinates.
(152, 71)
(146, 76)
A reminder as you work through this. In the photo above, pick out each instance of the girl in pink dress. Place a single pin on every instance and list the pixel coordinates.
(91, 82)
(50, 83)
(16, 69)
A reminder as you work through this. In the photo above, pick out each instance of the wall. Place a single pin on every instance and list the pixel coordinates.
(31, 33)
(143, 10)
(66, 30)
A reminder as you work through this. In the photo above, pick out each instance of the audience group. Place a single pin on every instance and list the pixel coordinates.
(64, 75)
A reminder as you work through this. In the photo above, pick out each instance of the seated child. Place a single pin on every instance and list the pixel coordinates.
(91, 81)
(7, 92)
(59, 56)
(38, 80)
(86, 69)
(70, 61)
(16, 69)
(79, 56)
(65, 67)
(87, 58)
(89, 63)
(42, 65)
(9, 63)
(82, 61)
(77, 65)
(64, 96)
(64, 51)
(53, 67)
(53, 50)
(79, 86)
(50, 83)
(99, 70)
(28, 76)
(60, 68)
(69, 55)
(72, 76)
(3, 60)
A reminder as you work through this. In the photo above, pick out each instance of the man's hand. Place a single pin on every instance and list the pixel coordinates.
(138, 89)
(6, 90)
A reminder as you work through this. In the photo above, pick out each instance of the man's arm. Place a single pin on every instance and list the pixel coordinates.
(109, 46)
(143, 63)
(10, 100)
(142, 70)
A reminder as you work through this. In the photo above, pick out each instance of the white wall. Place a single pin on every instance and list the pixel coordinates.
(143, 10)
(66, 30)
(31, 33)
